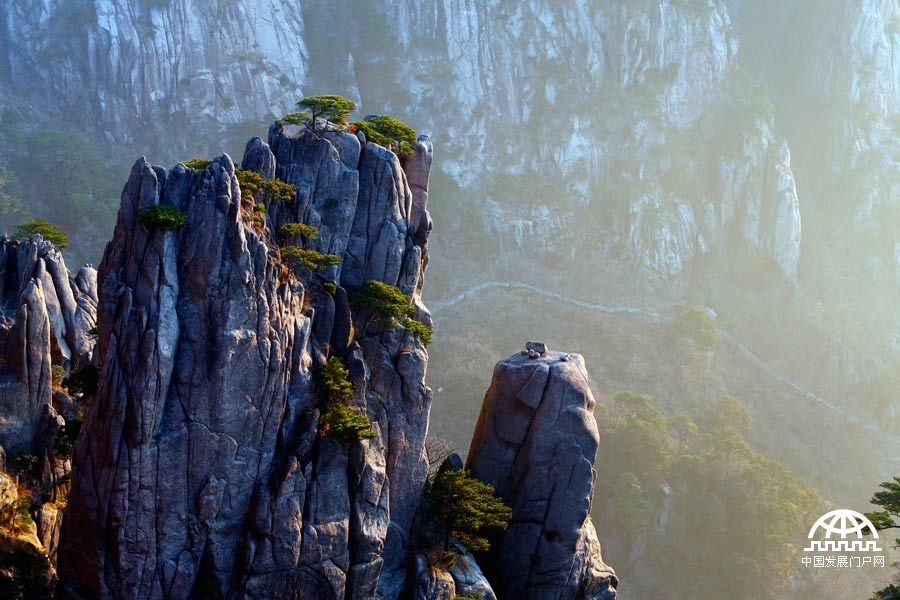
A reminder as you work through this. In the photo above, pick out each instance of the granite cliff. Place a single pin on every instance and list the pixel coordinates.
(605, 95)
(708, 152)
(200, 464)
(536, 443)
(46, 323)
(207, 464)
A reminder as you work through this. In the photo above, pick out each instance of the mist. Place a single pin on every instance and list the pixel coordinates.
(698, 196)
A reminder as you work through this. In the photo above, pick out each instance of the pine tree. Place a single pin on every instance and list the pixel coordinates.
(331, 107)
(462, 506)
(887, 498)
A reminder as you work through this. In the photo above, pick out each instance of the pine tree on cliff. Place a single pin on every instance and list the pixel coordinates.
(888, 498)
(331, 107)
(462, 506)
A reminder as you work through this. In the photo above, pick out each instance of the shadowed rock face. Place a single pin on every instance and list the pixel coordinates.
(200, 471)
(45, 321)
(45, 318)
(536, 443)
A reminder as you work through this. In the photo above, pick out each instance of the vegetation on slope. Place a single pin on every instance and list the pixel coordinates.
(700, 485)
(331, 107)
(888, 499)
(392, 307)
(48, 231)
(339, 421)
(303, 258)
(461, 506)
(162, 216)
(389, 132)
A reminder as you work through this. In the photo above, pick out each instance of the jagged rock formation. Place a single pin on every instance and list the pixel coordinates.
(435, 581)
(437, 577)
(536, 442)
(45, 321)
(201, 469)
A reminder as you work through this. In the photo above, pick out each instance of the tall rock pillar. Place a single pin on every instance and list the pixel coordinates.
(536, 442)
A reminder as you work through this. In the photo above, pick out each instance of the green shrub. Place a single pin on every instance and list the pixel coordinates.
(386, 300)
(418, 328)
(162, 216)
(340, 422)
(249, 181)
(93, 331)
(275, 189)
(197, 164)
(390, 133)
(301, 258)
(257, 216)
(23, 513)
(252, 183)
(343, 424)
(47, 230)
(696, 323)
(891, 592)
(297, 118)
(335, 380)
(330, 288)
(57, 375)
(292, 230)
(64, 444)
(82, 381)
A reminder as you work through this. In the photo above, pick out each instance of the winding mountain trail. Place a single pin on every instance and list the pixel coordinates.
(742, 348)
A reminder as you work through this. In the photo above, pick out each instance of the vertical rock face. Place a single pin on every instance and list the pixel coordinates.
(27, 395)
(45, 319)
(435, 581)
(45, 322)
(859, 65)
(202, 469)
(157, 59)
(536, 442)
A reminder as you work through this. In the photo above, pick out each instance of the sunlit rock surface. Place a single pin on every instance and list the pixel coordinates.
(536, 442)
(200, 467)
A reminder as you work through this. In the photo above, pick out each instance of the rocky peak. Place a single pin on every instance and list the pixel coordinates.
(45, 319)
(203, 465)
(209, 463)
(536, 443)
